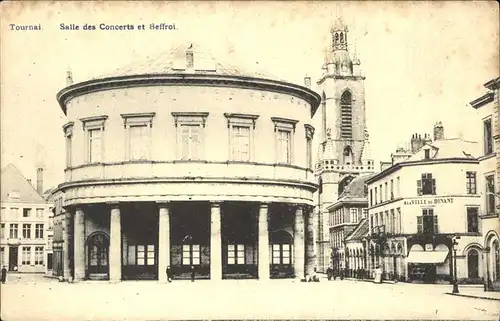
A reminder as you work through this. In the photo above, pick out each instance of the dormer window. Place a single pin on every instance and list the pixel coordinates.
(427, 153)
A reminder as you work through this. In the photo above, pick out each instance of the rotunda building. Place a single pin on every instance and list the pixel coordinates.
(196, 168)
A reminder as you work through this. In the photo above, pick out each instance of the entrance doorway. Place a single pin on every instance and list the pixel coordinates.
(98, 256)
(473, 264)
(13, 258)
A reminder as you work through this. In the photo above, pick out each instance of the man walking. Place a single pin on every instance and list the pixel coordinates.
(4, 274)
(192, 273)
(169, 274)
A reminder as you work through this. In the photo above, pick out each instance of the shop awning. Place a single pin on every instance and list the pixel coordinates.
(434, 257)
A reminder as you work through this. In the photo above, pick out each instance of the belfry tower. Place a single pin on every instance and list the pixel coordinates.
(344, 150)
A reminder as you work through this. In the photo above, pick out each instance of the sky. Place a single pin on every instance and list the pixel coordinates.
(423, 61)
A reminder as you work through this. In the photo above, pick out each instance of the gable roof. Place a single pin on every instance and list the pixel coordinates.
(449, 148)
(355, 190)
(359, 232)
(13, 181)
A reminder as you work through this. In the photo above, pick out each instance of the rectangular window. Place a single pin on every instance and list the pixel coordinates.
(139, 141)
(472, 220)
(309, 152)
(371, 197)
(68, 134)
(14, 213)
(94, 145)
(241, 127)
(284, 146)
(69, 143)
(190, 141)
(392, 228)
(386, 196)
(191, 254)
(470, 182)
(376, 195)
(190, 127)
(240, 143)
(284, 129)
(235, 254)
(398, 191)
(38, 255)
(392, 189)
(2, 230)
(426, 185)
(39, 213)
(138, 132)
(488, 138)
(39, 231)
(354, 215)
(428, 222)
(2, 258)
(26, 255)
(13, 231)
(399, 224)
(26, 231)
(26, 212)
(381, 196)
(427, 153)
(490, 195)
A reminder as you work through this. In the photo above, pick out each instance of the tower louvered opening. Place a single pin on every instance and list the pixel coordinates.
(346, 115)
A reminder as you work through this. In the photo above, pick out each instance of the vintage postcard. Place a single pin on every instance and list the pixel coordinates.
(249, 160)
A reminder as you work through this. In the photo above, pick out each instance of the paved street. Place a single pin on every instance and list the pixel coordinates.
(36, 298)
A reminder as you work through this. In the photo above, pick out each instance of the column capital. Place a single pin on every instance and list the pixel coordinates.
(264, 204)
(113, 204)
(162, 204)
(215, 203)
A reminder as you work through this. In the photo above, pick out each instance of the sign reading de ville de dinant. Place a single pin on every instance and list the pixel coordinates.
(429, 201)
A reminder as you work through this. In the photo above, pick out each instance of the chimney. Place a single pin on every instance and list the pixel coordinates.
(307, 81)
(190, 57)
(438, 131)
(39, 180)
(69, 78)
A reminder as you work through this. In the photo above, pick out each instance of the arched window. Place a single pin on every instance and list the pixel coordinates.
(473, 264)
(336, 37)
(98, 250)
(348, 156)
(346, 115)
(341, 37)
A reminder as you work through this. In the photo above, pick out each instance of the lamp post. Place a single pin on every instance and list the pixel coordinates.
(455, 279)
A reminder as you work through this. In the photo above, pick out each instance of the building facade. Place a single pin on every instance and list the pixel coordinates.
(25, 228)
(343, 143)
(420, 207)
(200, 169)
(489, 180)
(345, 216)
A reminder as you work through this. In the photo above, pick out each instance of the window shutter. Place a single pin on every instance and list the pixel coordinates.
(419, 187)
(419, 224)
(433, 186)
(436, 224)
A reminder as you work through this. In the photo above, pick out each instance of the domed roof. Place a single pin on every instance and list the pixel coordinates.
(174, 61)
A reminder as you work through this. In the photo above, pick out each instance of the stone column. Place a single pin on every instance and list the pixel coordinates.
(263, 242)
(66, 258)
(215, 242)
(298, 243)
(163, 241)
(79, 244)
(115, 247)
(310, 258)
(486, 268)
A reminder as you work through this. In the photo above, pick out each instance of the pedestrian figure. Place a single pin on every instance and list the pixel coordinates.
(329, 273)
(192, 273)
(4, 274)
(169, 274)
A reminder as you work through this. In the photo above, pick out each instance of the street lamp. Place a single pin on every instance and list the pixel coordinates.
(455, 279)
